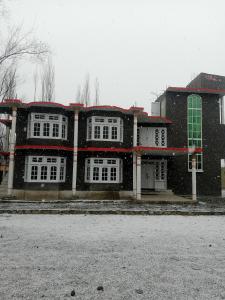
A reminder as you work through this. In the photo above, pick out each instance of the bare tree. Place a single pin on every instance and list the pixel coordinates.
(85, 97)
(8, 82)
(96, 91)
(19, 45)
(78, 95)
(35, 79)
(48, 82)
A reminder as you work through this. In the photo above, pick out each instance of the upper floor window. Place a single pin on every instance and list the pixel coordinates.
(105, 129)
(47, 126)
(45, 169)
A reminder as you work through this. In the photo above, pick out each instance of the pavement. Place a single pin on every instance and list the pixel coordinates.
(204, 206)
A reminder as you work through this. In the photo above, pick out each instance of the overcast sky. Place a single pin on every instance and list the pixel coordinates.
(135, 47)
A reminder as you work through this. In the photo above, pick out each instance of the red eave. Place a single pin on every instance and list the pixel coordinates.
(111, 149)
(194, 90)
(94, 149)
(46, 147)
(185, 150)
(6, 122)
(3, 153)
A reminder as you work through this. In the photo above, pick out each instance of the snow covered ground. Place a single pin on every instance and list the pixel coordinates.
(132, 257)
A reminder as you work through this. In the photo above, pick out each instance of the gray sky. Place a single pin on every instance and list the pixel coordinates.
(134, 47)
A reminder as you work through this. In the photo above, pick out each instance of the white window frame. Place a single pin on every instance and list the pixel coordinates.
(45, 161)
(52, 120)
(102, 122)
(102, 164)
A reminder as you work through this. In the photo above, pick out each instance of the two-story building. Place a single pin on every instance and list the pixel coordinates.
(64, 152)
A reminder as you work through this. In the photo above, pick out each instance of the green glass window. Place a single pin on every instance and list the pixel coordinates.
(194, 119)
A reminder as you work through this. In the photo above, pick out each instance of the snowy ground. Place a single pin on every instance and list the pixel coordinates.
(132, 257)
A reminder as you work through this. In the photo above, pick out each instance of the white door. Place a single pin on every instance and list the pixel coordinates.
(147, 176)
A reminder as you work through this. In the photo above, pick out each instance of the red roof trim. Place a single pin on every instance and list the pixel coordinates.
(47, 147)
(142, 148)
(72, 105)
(4, 153)
(188, 89)
(46, 103)
(104, 149)
(94, 149)
(5, 122)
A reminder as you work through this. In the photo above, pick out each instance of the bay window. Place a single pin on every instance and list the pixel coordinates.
(47, 126)
(103, 170)
(45, 169)
(105, 128)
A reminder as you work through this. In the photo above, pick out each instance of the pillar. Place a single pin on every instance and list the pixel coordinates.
(12, 142)
(194, 198)
(135, 158)
(138, 177)
(75, 144)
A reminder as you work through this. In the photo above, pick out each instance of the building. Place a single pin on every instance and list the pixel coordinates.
(64, 152)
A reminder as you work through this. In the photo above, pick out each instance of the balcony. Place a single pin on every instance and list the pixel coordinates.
(152, 137)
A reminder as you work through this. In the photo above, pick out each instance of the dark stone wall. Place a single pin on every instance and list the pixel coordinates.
(208, 81)
(127, 183)
(179, 179)
(127, 130)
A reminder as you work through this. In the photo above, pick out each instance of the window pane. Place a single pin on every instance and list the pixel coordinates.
(34, 172)
(53, 173)
(89, 132)
(88, 173)
(105, 132)
(53, 117)
(113, 174)
(95, 174)
(114, 133)
(163, 137)
(62, 171)
(44, 172)
(37, 128)
(55, 132)
(46, 129)
(97, 132)
(104, 174)
(157, 137)
(63, 131)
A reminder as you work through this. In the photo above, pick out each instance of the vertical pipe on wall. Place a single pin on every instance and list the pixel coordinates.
(194, 198)
(135, 158)
(222, 110)
(75, 145)
(138, 177)
(12, 142)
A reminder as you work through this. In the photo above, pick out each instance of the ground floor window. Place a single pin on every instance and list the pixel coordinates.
(45, 169)
(103, 170)
(199, 162)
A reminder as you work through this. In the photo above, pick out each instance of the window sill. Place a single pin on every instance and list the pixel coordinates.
(197, 171)
(47, 137)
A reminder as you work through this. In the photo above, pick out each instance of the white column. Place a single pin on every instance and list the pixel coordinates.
(12, 142)
(134, 175)
(75, 144)
(194, 198)
(135, 131)
(138, 177)
(135, 158)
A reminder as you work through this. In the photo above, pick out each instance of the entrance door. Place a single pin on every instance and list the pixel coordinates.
(147, 175)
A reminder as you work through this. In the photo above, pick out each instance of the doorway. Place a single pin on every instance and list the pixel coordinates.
(148, 175)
